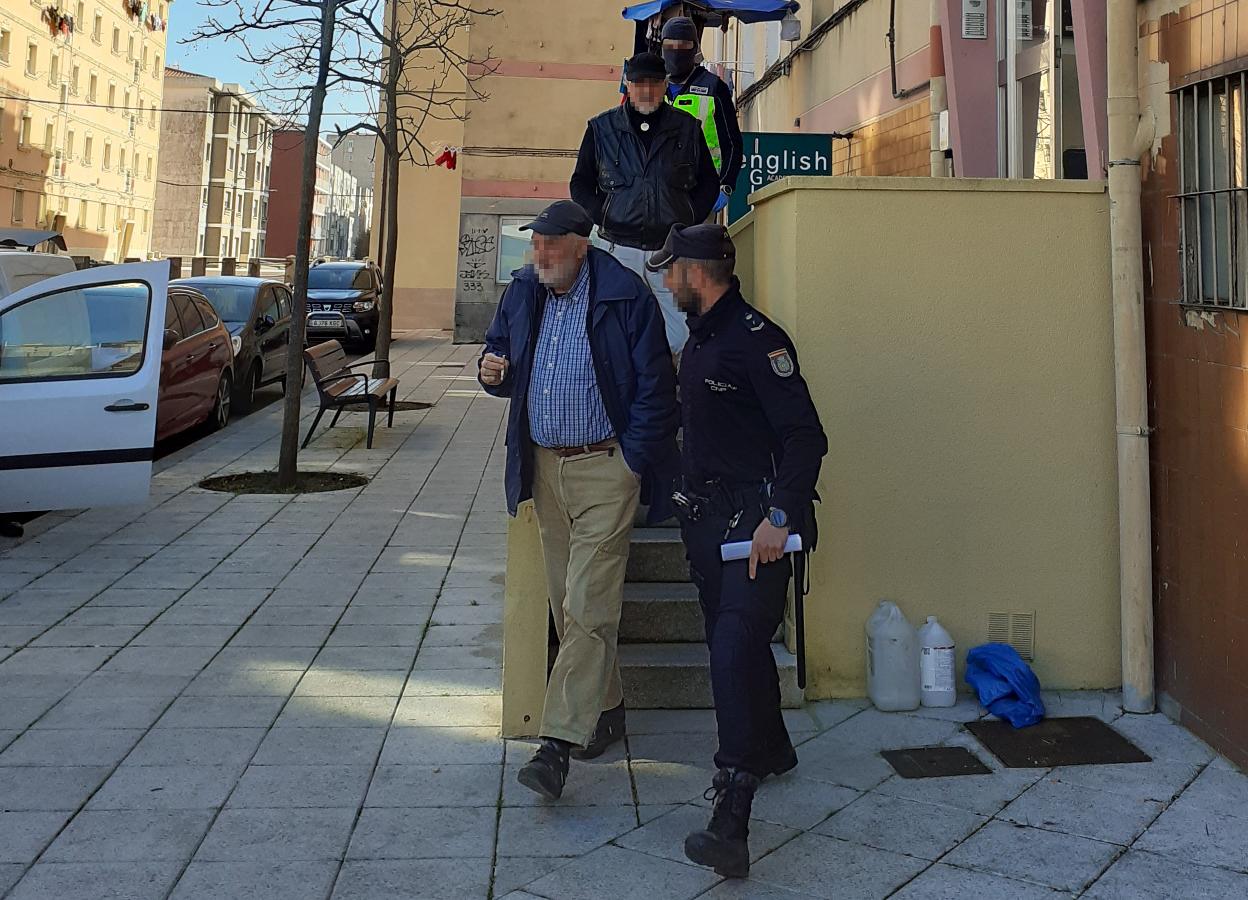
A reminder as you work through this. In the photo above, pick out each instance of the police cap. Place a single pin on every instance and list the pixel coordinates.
(561, 217)
(645, 67)
(693, 242)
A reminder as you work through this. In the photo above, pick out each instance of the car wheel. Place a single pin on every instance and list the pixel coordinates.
(220, 416)
(245, 394)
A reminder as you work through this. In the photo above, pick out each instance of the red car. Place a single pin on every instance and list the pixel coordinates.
(196, 378)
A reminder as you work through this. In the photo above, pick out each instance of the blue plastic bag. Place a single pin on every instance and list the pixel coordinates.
(1005, 684)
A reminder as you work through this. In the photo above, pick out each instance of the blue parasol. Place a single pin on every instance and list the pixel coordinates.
(747, 11)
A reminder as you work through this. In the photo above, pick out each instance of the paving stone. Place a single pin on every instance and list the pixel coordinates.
(1103, 705)
(17, 635)
(1074, 809)
(983, 794)
(734, 889)
(375, 636)
(114, 615)
(441, 746)
(280, 787)
(467, 711)
(825, 867)
(196, 746)
(463, 635)
(70, 747)
(901, 826)
(487, 656)
(264, 835)
(329, 683)
(184, 613)
(17, 714)
(408, 614)
(658, 782)
(665, 836)
(942, 882)
(66, 635)
(272, 614)
(467, 615)
(281, 636)
(240, 659)
(1161, 739)
(98, 881)
(421, 879)
(246, 683)
(423, 833)
(184, 636)
(796, 802)
(320, 746)
(130, 836)
(147, 660)
(513, 872)
(1219, 792)
(597, 784)
(965, 709)
(159, 598)
(55, 660)
(9, 874)
(848, 754)
(167, 787)
(29, 687)
(1159, 781)
(453, 682)
(692, 749)
(623, 875)
(434, 786)
(561, 830)
(268, 880)
(47, 788)
(221, 712)
(1189, 831)
(1062, 861)
(364, 659)
(336, 712)
(24, 833)
(1145, 876)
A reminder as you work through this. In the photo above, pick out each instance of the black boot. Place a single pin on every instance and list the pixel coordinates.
(723, 845)
(784, 760)
(609, 730)
(547, 771)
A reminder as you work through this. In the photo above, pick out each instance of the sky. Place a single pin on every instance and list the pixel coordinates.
(220, 59)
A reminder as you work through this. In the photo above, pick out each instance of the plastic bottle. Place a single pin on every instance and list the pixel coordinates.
(892, 659)
(936, 665)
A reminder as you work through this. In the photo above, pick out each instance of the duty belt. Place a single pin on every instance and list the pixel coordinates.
(717, 497)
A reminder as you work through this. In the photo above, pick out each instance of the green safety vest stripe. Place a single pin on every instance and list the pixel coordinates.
(702, 108)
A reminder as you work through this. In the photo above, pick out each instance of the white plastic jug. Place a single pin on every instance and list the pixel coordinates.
(892, 659)
(936, 665)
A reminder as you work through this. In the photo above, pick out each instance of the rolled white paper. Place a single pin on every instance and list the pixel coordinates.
(741, 549)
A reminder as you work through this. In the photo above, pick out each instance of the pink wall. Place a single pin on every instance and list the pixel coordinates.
(971, 72)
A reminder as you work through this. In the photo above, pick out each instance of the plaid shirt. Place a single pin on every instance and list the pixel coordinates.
(565, 405)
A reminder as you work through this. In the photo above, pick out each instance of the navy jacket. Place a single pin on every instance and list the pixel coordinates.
(632, 362)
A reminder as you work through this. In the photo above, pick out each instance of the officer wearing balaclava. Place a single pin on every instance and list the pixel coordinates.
(705, 96)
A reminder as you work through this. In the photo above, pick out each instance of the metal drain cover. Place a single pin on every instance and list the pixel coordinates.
(1078, 741)
(934, 762)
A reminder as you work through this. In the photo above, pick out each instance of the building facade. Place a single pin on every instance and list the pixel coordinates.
(341, 226)
(516, 152)
(283, 221)
(80, 98)
(356, 154)
(212, 189)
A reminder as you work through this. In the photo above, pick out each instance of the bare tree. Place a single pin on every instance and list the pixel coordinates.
(417, 65)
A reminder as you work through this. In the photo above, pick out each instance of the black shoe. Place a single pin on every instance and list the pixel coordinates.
(609, 730)
(547, 771)
(785, 761)
(723, 845)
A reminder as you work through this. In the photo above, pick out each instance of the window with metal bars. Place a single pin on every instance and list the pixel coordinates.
(1213, 191)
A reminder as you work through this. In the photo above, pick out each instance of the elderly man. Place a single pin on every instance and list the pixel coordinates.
(578, 346)
(643, 167)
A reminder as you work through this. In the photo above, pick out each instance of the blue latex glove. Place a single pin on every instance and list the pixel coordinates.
(721, 202)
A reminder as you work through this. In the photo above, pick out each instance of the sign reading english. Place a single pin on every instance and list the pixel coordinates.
(771, 156)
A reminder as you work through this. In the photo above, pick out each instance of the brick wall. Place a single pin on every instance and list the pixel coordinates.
(897, 144)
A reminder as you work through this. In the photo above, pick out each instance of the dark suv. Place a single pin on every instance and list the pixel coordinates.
(342, 302)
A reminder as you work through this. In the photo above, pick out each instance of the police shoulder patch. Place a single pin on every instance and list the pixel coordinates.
(754, 322)
(699, 89)
(781, 362)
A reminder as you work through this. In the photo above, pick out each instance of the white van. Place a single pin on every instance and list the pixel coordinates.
(19, 267)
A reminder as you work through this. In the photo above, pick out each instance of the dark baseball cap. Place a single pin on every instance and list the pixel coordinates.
(680, 28)
(561, 217)
(693, 242)
(645, 67)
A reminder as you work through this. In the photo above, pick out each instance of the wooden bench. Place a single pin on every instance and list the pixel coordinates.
(339, 387)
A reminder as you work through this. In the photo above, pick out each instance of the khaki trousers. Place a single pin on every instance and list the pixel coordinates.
(585, 507)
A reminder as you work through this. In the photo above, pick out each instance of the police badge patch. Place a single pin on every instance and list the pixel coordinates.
(781, 363)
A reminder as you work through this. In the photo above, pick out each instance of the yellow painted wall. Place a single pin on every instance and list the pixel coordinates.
(957, 338)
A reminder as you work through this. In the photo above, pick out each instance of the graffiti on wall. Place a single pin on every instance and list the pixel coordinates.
(477, 247)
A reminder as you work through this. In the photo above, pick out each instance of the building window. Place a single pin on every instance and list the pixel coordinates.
(80, 12)
(229, 164)
(82, 213)
(49, 137)
(6, 41)
(147, 169)
(23, 136)
(112, 96)
(156, 66)
(86, 149)
(151, 117)
(19, 205)
(1213, 192)
(69, 143)
(32, 58)
(101, 217)
(229, 201)
(130, 48)
(108, 154)
(93, 84)
(54, 70)
(207, 152)
(74, 79)
(116, 40)
(204, 199)
(97, 28)
(121, 159)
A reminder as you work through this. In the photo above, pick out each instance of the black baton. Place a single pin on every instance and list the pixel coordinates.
(799, 614)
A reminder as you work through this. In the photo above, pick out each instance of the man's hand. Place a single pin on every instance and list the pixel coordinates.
(768, 545)
(493, 369)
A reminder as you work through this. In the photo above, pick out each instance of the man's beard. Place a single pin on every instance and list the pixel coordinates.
(686, 299)
(557, 276)
(645, 108)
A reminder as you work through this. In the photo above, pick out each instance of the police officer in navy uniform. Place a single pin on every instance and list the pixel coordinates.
(752, 450)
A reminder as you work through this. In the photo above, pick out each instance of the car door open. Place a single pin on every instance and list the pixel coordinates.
(80, 358)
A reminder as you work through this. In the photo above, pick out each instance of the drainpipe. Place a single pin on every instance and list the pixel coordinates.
(1126, 146)
(898, 94)
(939, 98)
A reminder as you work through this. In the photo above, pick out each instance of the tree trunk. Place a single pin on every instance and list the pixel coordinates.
(390, 205)
(288, 458)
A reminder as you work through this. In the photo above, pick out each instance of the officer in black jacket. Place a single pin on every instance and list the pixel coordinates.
(643, 167)
(752, 450)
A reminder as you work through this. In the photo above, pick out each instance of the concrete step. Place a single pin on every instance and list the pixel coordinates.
(656, 612)
(657, 554)
(676, 676)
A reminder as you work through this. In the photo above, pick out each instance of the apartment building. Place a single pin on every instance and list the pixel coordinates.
(212, 190)
(283, 221)
(357, 155)
(80, 112)
(341, 226)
